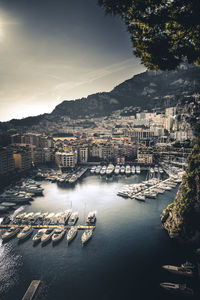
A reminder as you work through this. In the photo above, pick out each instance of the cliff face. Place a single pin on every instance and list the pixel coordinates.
(182, 218)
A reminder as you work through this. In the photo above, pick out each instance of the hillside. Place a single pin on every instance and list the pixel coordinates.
(147, 90)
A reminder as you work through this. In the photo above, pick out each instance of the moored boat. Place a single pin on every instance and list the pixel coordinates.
(177, 288)
(91, 218)
(37, 237)
(71, 234)
(11, 232)
(47, 235)
(87, 234)
(26, 232)
(58, 234)
(73, 218)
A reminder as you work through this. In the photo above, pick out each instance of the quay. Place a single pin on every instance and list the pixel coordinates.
(80, 227)
(31, 290)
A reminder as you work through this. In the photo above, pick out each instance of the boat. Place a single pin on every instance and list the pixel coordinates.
(117, 170)
(92, 170)
(140, 197)
(58, 234)
(160, 170)
(26, 232)
(186, 269)
(178, 270)
(37, 237)
(177, 288)
(97, 169)
(138, 169)
(11, 232)
(128, 170)
(103, 170)
(87, 234)
(71, 234)
(91, 218)
(122, 170)
(73, 218)
(47, 235)
(133, 170)
(110, 169)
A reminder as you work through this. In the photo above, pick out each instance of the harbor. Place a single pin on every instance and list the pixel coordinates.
(120, 223)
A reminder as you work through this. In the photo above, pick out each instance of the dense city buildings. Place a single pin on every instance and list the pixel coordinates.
(126, 135)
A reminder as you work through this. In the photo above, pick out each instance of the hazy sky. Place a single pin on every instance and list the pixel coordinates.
(55, 50)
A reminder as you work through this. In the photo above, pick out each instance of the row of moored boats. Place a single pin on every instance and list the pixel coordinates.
(46, 235)
(116, 170)
(148, 189)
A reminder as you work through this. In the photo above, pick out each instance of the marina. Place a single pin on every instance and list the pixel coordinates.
(119, 224)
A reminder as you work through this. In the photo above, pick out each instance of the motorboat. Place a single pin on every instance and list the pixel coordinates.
(138, 169)
(133, 170)
(128, 170)
(73, 218)
(47, 235)
(91, 218)
(110, 169)
(117, 170)
(37, 237)
(177, 288)
(26, 232)
(58, 234)
(122, 170)
(182, 270)
(103, 170)
(87, 234)
(11, 232)
(71, 234)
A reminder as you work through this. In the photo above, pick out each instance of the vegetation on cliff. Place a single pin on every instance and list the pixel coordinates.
(182, 218)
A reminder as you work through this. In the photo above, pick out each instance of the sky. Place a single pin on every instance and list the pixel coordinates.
(55, 50)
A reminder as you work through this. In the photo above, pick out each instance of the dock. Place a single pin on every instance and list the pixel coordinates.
(30, 293)
(80, 227)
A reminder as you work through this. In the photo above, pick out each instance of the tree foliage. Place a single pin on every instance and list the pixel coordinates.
(164, 33)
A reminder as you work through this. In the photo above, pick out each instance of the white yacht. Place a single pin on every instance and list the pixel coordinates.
(37, 237)
(73, 218)
(97, 169)
(122, 170)
(92, 170)
(103, 170)
(47, 235)
(128, 170)
(133, 170)
(87, 234)
(109, 169)
(91, 218)
(177, 288)
(117, 170)
(138, 169)
(26, 232)
(71, 234)
(11, 232)
(58, 234)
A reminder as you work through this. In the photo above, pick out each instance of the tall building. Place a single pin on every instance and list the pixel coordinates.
(6, 161)
(66, 159)
(83, 154)
(22, 158)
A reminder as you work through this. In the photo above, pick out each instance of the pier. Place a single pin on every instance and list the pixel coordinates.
(80, 227)
(30, 293)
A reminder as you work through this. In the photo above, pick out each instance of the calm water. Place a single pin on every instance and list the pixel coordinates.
(122, 261)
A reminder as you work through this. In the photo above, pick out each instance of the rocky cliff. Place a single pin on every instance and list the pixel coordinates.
(182, 218)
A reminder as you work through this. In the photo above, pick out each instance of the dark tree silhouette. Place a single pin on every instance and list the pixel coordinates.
(164, 33)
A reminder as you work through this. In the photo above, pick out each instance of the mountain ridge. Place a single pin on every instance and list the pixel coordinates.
(147, 90)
